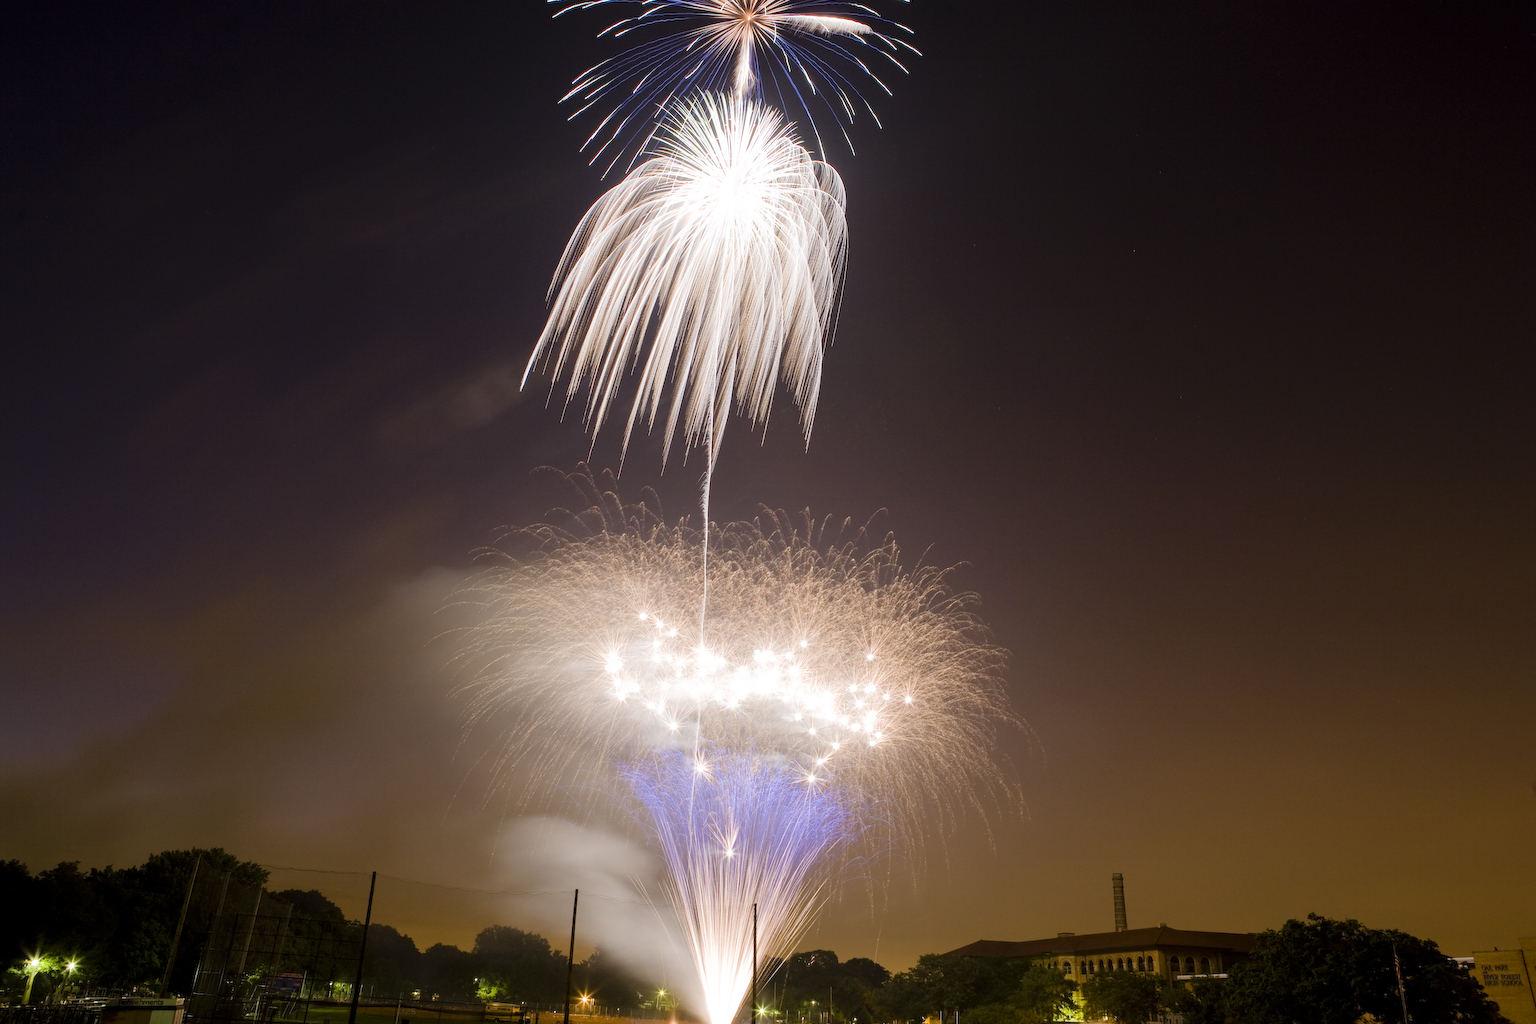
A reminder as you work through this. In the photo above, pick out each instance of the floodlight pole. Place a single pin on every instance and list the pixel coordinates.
(362, 950)
(570, 960)
(752, 1012)
(181, 921)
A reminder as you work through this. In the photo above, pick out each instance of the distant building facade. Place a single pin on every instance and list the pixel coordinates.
(1174, 954)
(1505, 975)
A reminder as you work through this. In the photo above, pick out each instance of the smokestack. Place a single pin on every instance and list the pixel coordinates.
(1119, 883)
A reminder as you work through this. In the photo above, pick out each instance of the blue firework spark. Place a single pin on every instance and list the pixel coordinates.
(806, 57)
(738, 828)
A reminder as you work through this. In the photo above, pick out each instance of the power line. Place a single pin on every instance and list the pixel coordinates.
(465, 888)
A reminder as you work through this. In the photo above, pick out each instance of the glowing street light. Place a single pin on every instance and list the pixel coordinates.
(32, 967)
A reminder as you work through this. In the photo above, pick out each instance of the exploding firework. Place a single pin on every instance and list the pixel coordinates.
(805, 55)
(829, 694)
(721, 259)
(823, 693)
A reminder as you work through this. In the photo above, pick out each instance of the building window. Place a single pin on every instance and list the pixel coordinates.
(1140, 964)
(1173, 964)
(1205, 966)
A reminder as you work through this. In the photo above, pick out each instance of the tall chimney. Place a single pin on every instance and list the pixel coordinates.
(1119, 883)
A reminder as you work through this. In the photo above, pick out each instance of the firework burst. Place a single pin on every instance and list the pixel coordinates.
(823, 667)
(716, 267)
(804, 55)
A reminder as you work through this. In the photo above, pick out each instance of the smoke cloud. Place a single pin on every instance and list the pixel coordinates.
(622, 908)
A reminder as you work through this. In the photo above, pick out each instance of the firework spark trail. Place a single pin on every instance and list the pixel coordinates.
(828, 665)
(725, 253)
(796, 48)
(817, 643)
(736, 830)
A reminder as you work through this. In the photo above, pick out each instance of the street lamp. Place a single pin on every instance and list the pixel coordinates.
(32, 966)
(69, 974)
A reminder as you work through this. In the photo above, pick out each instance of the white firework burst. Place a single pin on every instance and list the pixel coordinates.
(715, 267)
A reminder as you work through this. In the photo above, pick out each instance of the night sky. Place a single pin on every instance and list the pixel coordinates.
(1199, 332)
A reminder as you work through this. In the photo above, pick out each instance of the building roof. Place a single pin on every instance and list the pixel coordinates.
(1108, 942)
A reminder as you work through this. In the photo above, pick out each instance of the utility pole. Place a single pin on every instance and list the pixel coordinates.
(1397, 965)
(218, 914)
(250, 932)
(362, 950)
(181, 921)
(570, 960)
(752, 1015)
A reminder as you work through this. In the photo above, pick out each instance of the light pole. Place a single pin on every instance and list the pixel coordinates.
(33, 966)
(570, 959)
(69, 974)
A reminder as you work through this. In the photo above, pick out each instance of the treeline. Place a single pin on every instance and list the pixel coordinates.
(1317, 971)
(816, 984)
(504, 964)
(112, 929)
(116, 926)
